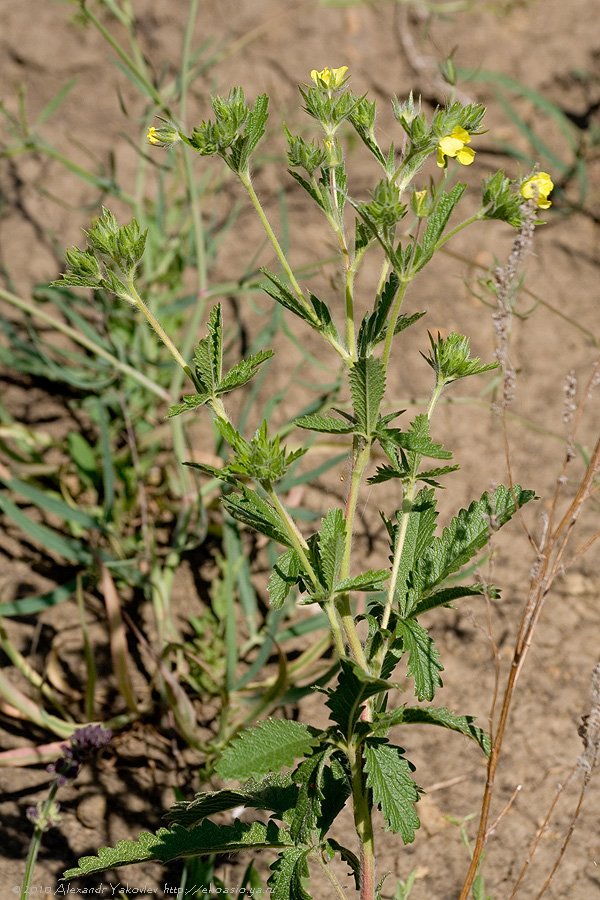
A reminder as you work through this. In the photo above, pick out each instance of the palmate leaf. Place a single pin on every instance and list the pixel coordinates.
(287, 873)
(416, 440)
(367, 387)
(394, 791)
(178, 843)
(467, 533)
(423, 659)
(265, 749)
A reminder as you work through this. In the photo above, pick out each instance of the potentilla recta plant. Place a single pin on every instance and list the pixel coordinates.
(298, 777)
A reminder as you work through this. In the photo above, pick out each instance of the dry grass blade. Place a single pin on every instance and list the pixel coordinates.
(118, 640)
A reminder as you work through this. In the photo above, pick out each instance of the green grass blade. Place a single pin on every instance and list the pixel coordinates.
(49, 539)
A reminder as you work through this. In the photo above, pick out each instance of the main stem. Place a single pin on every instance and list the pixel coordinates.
(363, 823)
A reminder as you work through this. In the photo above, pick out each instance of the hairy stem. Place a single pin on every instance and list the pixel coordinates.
(34, 846)
(363, 824)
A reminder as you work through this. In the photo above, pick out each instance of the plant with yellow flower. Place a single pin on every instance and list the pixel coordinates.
(355, 757)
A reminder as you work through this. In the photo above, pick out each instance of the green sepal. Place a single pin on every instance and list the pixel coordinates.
(500, 202)
(450, 359)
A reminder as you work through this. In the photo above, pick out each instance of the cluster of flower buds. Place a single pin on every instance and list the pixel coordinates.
(85, 743)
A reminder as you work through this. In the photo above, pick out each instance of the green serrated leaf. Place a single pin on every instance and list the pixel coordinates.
(282, 293)
(350, 858)
(346, 700)
(287, 875)
(394, 791)
(422, 517)
(442, 716)
(467, 533)
(190, 401)
(179, 843)
(243, 372)
(123, 854)
(283, 577)
(416, 440)
(447, 595)
(264, 749)
(423, 659)
(205, 804)
(208, 355)
(367, 386)
(252, 510)
(331, 541)
(436, 224)
(324, 424)
(276, 793)
(367, 581)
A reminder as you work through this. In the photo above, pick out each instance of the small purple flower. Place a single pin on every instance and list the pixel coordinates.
(84, 744)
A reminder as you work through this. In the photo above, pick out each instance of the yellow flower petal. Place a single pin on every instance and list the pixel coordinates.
(454, 145)
(153, 136)
(465, 156)
(332, 78)
(537, 188)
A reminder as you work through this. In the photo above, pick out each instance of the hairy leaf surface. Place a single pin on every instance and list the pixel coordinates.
(265, 748)
(394, 791)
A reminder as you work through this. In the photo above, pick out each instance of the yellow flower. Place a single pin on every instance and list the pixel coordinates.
(420, 203)
(454, 145)
(165, 136)
(332, 78)
(537, 188)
